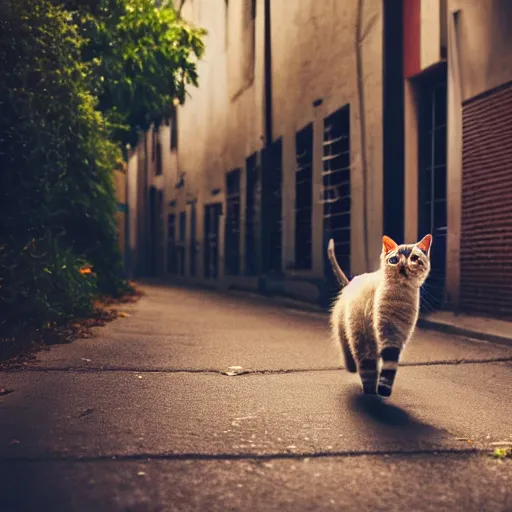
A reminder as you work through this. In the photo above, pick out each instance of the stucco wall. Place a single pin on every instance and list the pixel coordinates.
(484, 38)
(221, 123)
(430, 32)
(313, 57)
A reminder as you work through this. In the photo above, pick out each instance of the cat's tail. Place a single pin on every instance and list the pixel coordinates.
(340, 275)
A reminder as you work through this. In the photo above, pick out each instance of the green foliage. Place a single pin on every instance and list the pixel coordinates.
(77, 78)
(503, 453)
(143, 58)
(56, 164)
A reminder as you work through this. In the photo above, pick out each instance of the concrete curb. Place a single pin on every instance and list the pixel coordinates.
(433, 325)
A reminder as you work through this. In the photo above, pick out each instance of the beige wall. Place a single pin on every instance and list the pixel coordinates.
(222, 122)
(484, 41)
(313, 57)
(430, 32)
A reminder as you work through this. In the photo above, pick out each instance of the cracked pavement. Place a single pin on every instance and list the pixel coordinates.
(142, 417)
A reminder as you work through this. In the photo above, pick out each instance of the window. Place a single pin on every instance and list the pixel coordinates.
(174, 129)
(158, 169)
(271, 210)
(303, 197)
(336, 184)
(432, 178)
(251, 209)
(232, 240)
(212, 213)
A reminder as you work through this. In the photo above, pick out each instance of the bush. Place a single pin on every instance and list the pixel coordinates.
(57, 199)
(78, 79)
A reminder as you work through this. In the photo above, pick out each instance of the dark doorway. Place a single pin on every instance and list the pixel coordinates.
(251, 217)
(393, 120)
(271, 211)
(432, 182)
(232, 235)
(212, 213)
(182, 244)
(153, 228)
(160, 227)
(171, 243)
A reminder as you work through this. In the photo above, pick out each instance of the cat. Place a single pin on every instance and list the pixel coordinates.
(375, 314)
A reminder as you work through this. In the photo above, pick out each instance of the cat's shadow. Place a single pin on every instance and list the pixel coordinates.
(379, 410)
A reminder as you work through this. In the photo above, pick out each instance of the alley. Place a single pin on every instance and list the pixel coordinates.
(145, 416)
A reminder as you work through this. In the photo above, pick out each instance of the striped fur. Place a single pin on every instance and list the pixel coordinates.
(375, 314)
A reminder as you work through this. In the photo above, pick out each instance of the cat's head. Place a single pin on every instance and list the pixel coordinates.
(408, 262)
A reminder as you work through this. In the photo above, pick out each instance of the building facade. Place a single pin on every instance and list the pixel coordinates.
(333, 119)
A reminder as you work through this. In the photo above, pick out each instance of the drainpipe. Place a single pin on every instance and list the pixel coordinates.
(268, 129)
(362, 126)
(268, 75)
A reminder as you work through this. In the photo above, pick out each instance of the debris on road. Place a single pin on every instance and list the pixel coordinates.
(233, 370)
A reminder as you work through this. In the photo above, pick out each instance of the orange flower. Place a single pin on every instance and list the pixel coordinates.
(85, 270)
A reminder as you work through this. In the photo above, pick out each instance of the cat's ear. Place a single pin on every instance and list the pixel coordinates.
(424, 244)
(388, 245)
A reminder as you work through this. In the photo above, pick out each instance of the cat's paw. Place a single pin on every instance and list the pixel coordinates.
(384, 391)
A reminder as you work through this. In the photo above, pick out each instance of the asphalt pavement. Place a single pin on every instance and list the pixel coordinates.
(150, 415)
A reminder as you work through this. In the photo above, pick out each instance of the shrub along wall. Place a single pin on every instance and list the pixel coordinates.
(79, 79)
(57, 198)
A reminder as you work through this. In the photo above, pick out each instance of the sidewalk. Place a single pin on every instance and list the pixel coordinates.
(481, 328)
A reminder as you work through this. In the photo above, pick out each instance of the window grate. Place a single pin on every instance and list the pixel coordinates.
(336, 191)
(432, 186)
(303, 198)
(232, 240)
(272, 224)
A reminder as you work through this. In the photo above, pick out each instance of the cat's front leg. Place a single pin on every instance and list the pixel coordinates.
(390, 356)
(391, 342)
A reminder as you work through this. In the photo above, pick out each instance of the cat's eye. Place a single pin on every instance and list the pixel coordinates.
(415, 257)
(393, 260)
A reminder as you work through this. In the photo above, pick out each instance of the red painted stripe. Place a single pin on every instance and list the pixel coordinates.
(412, 32)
